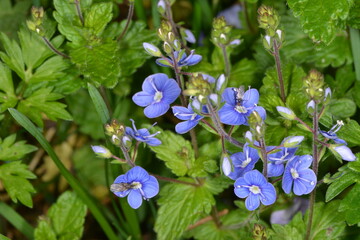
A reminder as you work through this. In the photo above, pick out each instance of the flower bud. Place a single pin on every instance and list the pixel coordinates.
(343, 152)
(151, 49)
(268, 44)
(226, 165)
(311, 107)
(115, 140)
(327, 95)
(249, 137)
(102, 152)
(214, 98)
(189, 36)
(257, 126)
(167, 48)
(286, 112)
(268, 19)
(196, 105)
(220, 83)
(292, 141)
(177, 45)
(314, 83)
(126, 141)
(235, 42)
(161, 7)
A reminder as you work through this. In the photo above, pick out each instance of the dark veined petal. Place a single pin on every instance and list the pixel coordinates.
(186, 126)
(129, 131)
(252, 202)
(299, 187)
(268, 192)
(143, 99)
(170, 90)
(135, 198)
(251, 97)
(182, 113)
(261, 111)
(153, 142)
(195, 59)
(229, 96)
(156, 110)
(309, 179)
(137, 174)
(275, 170)
(254, 177)
(287, 181)
(150, 187)
(143, 132)
(228, 115)
(329, 135)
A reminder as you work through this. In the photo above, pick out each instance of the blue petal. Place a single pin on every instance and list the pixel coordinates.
(150, 187)
(275, 170)
(153, 142)
(129, 131)
(252, 202)
(340, 141)
(229, 96)
(180, 111)
(170, 90)
(135, 199)
(329, 135)
(261, 111)
(137, 174)
(254, 177)
(310, 179)
(241, 192)
(122, 194)
(195, 59)
(268, 194)
(156, 109)
(299, 187)
(149, 82)
(251, 97)
(143, 99)
(121, 179)
(303, 162)
(287, 181)
(186, 126)
(230, 116)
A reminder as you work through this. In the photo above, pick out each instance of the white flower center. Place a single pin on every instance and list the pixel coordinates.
(294, 173)
(246, 162)
(136, 185)
(158, 96)
(255, 189)
(240, 109)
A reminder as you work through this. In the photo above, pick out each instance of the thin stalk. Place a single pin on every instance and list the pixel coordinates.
(79, 13)
(207, 219)
(178, 80)
(194, 142)
(226, 61)
(315, 169)
(135, 151)
(304, 124)
(174, 180)
(126, 154)
(52, 48)
(247, 18)
(128, 20)
(264, 156)
(279, 73)
(215, 217)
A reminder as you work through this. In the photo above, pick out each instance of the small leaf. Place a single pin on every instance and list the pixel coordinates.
(340, 184)
(350, 207)
(14, 176)
(11, 150)
(343, 107)
(98, 16)
(44, 231)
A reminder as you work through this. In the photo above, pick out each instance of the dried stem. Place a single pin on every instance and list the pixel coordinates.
(128, 20)
(278, 69)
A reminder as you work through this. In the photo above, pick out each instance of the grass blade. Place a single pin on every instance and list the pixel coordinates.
(355, 46)
(99, 104)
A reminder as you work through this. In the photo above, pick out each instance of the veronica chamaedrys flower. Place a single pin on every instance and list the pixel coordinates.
(158, 92)
(254, 187)
(143, 135)
(331, 134)
(277, 159)
(137, 184)
(243, 162)
(298, 176)
(187, 114)
(343, 151)
(238, 106)
(181, 59)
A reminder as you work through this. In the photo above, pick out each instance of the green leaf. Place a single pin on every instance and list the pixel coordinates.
(99, 104)
(65, 219)
(314, 13)
(180, 206)
(218, 184)
(98, 16)
(293, 230)
(13, 56)
(350, 132)
(8, 98)
(14, 177)
(342, 108)
(340, 184)
(353, 19)
(243, 73)
(2, 237)
(350, 205)
(176, 152)
(44, 101)
(105, 72)
(11, 150)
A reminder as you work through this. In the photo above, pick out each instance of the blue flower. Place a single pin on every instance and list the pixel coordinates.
(137, 184)
(187, 114)
(298, 176)
(243, 162)
(331, 134)
(143, 135)
(238, 106)
(158, 93)
(181, 59)
(254, 187)
(277, 160)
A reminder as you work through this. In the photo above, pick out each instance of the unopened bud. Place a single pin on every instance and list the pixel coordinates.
(311, 107)
(167, 48)
(327, 95)
(220, 83)
(151, 49)
(343, 152)
(226, 165)
(235, 42)
(214, 98)
(292, 141)
(189, 36)
(177, 45)
(102, 152)
(286, 112)
(161, 6)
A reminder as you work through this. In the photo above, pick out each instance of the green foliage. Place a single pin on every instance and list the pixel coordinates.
(243, 73)
(350, 132)
(294, 230)
(180, 206)
(341, 182)
(14, 177)
(353, 19)
(342, 108)
(65, 219)
(347, 205)
(11, 150)
(314, 13)
(2, 237)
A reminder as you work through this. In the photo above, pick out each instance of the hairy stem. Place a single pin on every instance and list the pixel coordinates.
(126, 154)
(174, 180)
(52, 48)
(128, 20)
(279, 73)
(315, 169)
(264, 156)
(226, 61)
(304, 124)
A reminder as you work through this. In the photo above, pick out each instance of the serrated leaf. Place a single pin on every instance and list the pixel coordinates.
(314, 13)
(98, 16)
(8, 99)
(14, 177)
(11, 150)
(218, 184)
(180, 206)
(340, 184)
(105, 72)
(65, 219)
(13, 56)
(176, 152)
(243, 73)
(350, 205)
(353, 19)
(43, 101)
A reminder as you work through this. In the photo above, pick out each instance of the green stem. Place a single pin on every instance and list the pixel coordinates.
(315, 169)
(128, 20)
(264, 157)
(73, 182)
(355, 47)
(16, 220)
(279, 73)
(174, 180)
(226, 61)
